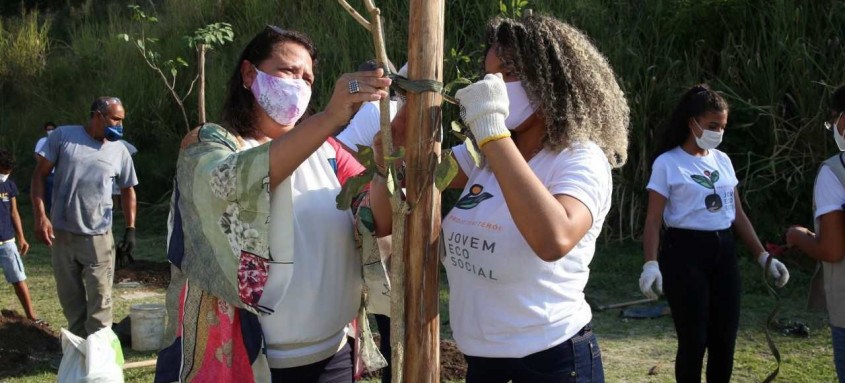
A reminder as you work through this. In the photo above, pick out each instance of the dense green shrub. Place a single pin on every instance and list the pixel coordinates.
(775, 60)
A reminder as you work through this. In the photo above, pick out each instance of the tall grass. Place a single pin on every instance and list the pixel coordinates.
(775, 60)
(23, 45)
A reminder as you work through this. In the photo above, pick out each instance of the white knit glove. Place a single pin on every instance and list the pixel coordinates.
(651, 277)
(484, 107)
(777, 269)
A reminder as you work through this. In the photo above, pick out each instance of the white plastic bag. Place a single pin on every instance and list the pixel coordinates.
(98, 359)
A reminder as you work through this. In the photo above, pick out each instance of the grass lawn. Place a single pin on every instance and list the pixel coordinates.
(630, 348)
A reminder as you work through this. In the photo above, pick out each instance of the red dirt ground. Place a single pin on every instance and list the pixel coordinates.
(452, 363)
(149, 274)
(24, 344)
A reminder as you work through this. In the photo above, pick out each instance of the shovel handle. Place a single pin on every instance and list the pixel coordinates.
(626, 304)
(143, 363)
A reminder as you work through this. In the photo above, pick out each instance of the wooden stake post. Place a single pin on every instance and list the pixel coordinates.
(415, 262)
(422, 152)
(201, 50)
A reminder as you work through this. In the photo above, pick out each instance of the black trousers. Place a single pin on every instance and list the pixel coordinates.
(383, 323)
(334, 369)
(702, 284)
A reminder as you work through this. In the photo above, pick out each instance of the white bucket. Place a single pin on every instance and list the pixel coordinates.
(147, 326)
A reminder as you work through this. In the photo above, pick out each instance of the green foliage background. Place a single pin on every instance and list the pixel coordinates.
(775, 60)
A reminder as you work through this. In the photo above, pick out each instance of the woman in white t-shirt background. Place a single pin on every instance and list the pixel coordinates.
(694, 203)
(365, 124)
(827, 244)
(361, 130)
(551, 121)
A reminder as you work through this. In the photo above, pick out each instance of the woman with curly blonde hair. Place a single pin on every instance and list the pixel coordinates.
(551, 122)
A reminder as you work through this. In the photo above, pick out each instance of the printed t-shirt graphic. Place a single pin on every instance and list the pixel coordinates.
(474, 197)
(505, 301)
(713, 202)
(699, 191)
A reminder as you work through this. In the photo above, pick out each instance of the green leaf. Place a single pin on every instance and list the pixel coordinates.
(398, 154)
(702, 180)
(457, 127)
(445, 171)
(123, 36)
(365, 156)
(391, 180)
(352, 188)
(152, 19)
(181, 62)
(473, 152)
(714, 176)
(173, 72)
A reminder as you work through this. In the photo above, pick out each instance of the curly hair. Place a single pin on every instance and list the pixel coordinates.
(568, 79)
(239, 108)
(695, 102)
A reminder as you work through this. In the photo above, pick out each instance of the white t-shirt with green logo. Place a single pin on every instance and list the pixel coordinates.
(505, 301)
(699, 191)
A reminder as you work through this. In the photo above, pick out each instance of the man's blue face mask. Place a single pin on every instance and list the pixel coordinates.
(113, 133)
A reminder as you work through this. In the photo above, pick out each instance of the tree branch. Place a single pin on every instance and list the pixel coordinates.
(399, 207)
(355, 15)
(370, 5)
(191, 87)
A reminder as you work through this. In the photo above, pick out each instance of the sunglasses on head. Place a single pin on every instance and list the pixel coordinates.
(276, 29)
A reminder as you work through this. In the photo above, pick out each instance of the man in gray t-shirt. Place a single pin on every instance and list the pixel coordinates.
(88, 160)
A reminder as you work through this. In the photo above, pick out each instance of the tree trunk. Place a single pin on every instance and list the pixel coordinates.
(201, 49)
(422, 290)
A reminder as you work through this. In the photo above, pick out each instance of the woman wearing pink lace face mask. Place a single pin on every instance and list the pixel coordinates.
(270, 276)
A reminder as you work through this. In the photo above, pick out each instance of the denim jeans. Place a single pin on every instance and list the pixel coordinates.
(10, 261)
(838, 335)
(576, 360)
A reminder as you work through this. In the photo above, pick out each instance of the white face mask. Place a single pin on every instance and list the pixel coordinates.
(4, 177)
(709, 139)
(520, 107)
(284, 100)
(839, 138)
(49, 132)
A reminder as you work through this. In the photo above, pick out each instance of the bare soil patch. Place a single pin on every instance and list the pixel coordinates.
(149, 274)
(24, 344)
(453, 366)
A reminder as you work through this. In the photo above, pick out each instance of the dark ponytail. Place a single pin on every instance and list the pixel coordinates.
(837, 99)
(695, 102)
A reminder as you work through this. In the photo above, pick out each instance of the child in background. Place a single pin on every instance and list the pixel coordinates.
(12, 241)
